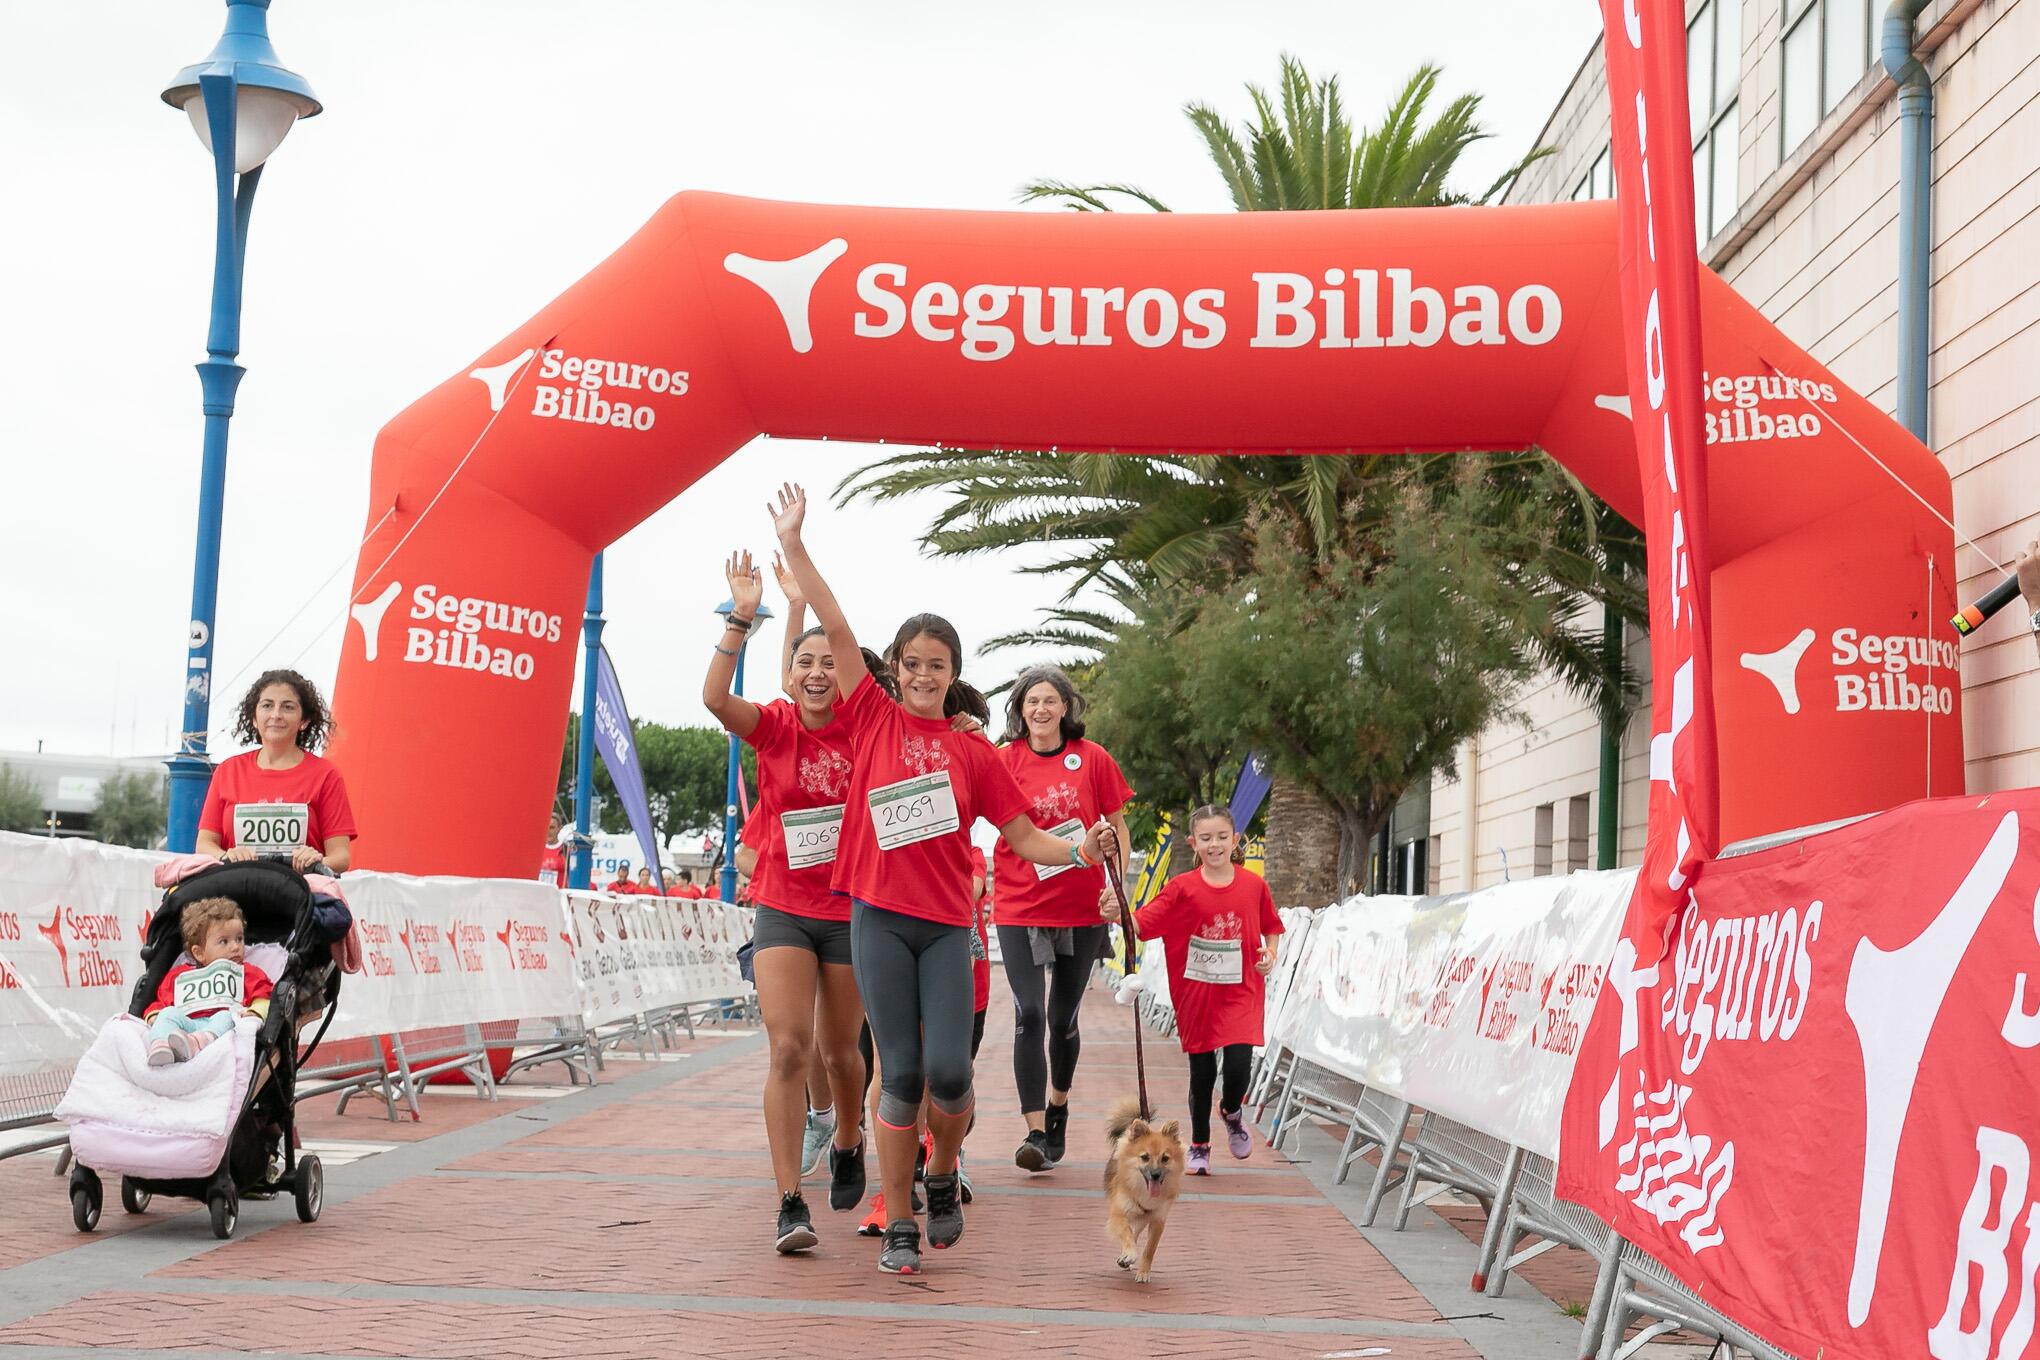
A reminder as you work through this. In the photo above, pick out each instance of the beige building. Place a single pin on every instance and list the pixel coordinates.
(1796, 171)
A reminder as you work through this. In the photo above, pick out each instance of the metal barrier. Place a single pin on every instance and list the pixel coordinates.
(1535, 1210)
(1373, 1121)
(1643, 1287)
(1452, 1156)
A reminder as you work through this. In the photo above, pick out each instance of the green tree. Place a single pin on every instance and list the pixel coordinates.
(1360, 675)
(21, 801)
(685, 771)
(132, 809)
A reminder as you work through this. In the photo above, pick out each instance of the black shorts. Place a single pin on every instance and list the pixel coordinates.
(828, 941)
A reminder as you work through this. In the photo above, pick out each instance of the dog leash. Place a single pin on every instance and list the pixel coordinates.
(1112, 875)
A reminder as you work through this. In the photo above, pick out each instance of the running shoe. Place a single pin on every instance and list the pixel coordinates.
(1055, 1121)
(945, 1210)
(1032, 1155)
(846, 1176)
(921, 1156)
(901, 1254)
(1199, 1163)
(1237, 1140)
(796, 1225)
(963, 1191)
(874, 1222)
(815, 1137)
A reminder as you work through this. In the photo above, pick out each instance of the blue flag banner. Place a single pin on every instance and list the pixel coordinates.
(1251, 791)
(614, 742)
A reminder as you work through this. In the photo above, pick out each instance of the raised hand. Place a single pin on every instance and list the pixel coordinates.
(787, 585)
(747, 588)
(788, 510)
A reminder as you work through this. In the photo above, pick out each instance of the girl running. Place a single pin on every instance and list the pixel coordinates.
(904, 860)
(1210, 922)
(1049, 933)
(807, 995)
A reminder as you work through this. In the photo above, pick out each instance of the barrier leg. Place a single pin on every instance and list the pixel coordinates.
(1493, 1238)
(1391, 1144)
(64, 1160)
(1601, 1329)
(478, 1071)
(406, 1083)
(1348, 1150)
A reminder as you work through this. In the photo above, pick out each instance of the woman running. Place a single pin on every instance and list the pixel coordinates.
(905, 862)
(1210, 923)
(279, 799)
(1049, 932)
(807, 995)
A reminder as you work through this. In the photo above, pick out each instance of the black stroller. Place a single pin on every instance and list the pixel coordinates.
(262, 1151)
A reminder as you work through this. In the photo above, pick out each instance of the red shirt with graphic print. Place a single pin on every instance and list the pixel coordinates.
(798, 768)
(1229, 923)
(925, 878)
(1078, 782)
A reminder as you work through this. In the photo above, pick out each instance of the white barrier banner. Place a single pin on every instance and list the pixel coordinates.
(453, 951)
(73, 915)
(1471, 1005)
(635, 954)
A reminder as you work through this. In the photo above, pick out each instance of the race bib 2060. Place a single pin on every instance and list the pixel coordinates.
(209, 988)
(271, 828)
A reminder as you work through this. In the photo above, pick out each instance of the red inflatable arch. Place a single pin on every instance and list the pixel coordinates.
(1378, 332)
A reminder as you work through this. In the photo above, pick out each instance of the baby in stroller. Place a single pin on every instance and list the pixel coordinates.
(216, 1121)
(199, 1001)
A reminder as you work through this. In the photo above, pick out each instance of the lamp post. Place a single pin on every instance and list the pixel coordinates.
(729, 819)
(581, 866)
(241, 102)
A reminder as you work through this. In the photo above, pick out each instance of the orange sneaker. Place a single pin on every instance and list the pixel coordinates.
(874, 1222)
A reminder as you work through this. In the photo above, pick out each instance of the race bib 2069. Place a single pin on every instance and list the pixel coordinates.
(913, 810)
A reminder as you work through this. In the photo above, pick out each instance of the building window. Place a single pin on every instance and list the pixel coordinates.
(1577, 816)
(1540, 844)
(1826, 50)
(1713, 75)
(1598, 180)
(1431, 865)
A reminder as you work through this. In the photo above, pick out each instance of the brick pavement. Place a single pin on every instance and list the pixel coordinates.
(635, 1220)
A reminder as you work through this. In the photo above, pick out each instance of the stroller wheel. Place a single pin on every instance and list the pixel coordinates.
(133, 1198)
(310, 1190)
(226, 1215)
(85, 1205)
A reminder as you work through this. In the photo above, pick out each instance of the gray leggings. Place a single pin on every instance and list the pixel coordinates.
(915, 977)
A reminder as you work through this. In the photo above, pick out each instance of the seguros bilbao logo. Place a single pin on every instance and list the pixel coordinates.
(585, 390)
(464, 632)
(1873, 672)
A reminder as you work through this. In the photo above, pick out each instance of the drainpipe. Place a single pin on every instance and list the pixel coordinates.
(1608, 847)
(1915, 208)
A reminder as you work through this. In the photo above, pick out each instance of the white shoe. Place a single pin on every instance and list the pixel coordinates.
(816, 1135)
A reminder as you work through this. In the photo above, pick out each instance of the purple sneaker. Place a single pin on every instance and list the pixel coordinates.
(1200, 1160)
(1237, 1140)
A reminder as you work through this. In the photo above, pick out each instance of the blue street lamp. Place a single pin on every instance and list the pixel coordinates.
(581, 866)
(729, 819)
(242, 103)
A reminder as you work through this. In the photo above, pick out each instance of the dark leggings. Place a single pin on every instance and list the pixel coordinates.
(915, 977)
(1054, 1017)
(1204, 1075)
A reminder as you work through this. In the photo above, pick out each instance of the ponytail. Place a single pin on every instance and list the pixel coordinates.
(964, 697)
(881, 674)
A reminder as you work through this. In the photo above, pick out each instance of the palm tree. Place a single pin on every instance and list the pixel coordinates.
(1135, 524)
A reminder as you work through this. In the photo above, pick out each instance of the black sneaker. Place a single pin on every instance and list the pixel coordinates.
(846, 1177)
(1032, 1155)
(1055, 1122)
(901, 1254)
(945, 1211)
(796, 1227)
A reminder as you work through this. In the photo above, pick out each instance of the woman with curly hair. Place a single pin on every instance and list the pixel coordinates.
(280, 798)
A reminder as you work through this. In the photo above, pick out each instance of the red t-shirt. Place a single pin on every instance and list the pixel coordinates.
(1228, 923)
(313, 781)
(798, 770)
(620, 886)
(552, 866)
(687, 890)
(255, 985)
(1081, 783)
(889, 746)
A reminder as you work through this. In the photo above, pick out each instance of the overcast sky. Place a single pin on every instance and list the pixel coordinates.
(475, 158)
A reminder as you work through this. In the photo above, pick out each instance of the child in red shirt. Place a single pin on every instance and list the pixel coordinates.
(218, 985)
(1210, 922)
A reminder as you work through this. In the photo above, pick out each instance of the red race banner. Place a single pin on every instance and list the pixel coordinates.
(1827, 1095)
(1660, 273)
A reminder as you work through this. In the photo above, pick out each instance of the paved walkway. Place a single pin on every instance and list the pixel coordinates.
(634, 1219)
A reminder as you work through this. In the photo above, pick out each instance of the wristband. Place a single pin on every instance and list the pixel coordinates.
(1081, 859)
(741, 625)
(724, 650)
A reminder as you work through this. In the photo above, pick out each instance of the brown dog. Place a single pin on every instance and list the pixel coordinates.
(1142, 1179)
